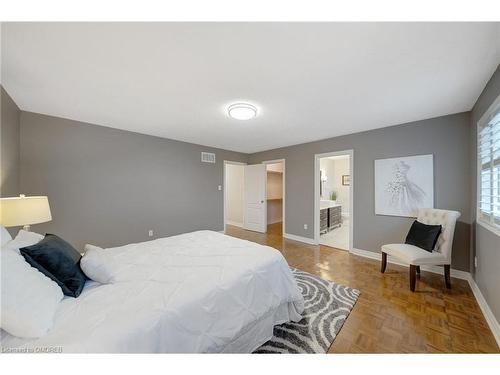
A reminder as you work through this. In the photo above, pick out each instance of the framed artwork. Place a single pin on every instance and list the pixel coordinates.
(403, 185)
(346, 179)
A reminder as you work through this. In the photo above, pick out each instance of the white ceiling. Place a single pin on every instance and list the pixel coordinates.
(310, 80)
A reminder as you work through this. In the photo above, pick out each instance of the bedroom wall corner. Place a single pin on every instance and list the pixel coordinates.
(109, 187)
(10, 145)
(485, 245)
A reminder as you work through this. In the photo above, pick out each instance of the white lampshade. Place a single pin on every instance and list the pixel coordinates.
(22, 210)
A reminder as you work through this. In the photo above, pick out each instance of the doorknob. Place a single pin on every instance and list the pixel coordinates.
(261, 201)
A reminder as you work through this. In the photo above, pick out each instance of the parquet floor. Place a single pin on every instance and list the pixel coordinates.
(388, 317)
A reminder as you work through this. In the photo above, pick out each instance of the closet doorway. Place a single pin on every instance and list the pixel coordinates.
(254, 196)
(275, 196)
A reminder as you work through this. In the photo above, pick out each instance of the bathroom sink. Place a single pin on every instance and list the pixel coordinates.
(327, 203)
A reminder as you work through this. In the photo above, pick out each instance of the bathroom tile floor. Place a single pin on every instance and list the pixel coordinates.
(338, 237)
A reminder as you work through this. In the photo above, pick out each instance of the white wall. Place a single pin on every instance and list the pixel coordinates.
(327, 168)
(335, 168)
(234, 194)
(275, 193)
(274, 185)
(274, 211)
(275, 167)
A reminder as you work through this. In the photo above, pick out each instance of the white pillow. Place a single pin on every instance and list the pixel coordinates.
(93, 264)
(29, 298)
(23, 239)
(5, 235)
(89, 247)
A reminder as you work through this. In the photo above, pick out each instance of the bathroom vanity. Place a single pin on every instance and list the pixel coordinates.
(330, 216)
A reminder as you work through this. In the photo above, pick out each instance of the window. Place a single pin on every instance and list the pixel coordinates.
(488, 147)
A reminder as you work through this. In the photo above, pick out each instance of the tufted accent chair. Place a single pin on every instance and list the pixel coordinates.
(415, 256)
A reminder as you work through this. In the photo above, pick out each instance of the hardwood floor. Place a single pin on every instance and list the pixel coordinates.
(388, 317)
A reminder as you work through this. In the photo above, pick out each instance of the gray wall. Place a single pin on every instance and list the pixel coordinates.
(485, 244)
(109, 187)
(9, 145)
(447, 138)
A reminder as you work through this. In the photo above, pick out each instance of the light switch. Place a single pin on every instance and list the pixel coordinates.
(220, 187)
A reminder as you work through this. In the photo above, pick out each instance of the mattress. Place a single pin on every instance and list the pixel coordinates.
(193, 293)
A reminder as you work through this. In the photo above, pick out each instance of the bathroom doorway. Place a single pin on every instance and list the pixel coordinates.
(333, 199)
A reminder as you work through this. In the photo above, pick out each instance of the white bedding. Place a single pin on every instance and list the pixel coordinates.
(196, 292)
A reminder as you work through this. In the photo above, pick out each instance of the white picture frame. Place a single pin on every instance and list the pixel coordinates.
(403, 185)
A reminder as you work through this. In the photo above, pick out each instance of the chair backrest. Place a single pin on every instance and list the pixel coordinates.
(447, 219)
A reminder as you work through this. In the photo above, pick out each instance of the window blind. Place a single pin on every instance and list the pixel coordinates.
(489, 170)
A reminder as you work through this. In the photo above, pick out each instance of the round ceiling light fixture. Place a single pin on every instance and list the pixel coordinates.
(242, 111)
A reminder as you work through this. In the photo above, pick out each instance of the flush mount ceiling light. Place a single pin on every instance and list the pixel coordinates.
(242, 111)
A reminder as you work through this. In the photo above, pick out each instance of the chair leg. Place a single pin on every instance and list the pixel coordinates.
(413, 277)
(447, 278)
(383, 265)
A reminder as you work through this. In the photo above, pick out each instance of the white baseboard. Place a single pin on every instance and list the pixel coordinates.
(275, 221)
(234, 223)
(434, 269)
(485, 308)
(309, 241)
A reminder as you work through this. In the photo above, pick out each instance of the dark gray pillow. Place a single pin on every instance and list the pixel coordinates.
(423, 235)
(58, 260)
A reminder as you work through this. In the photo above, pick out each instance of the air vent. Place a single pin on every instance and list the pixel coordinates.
(208, 157)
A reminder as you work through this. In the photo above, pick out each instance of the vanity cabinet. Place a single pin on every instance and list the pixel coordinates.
(335, 217)
(330, 218)
(323, 220)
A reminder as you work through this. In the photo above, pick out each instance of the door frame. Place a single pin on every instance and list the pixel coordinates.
(224, 188)
(283, 209)
(317, 197)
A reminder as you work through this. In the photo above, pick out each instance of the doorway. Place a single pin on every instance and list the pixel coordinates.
(254, 196)
(275, 196)
(233, 193)
(333, 199)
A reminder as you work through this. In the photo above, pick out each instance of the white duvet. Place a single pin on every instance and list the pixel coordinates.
(196, 292)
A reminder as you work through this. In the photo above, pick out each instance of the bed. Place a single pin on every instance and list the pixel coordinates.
(199, 292)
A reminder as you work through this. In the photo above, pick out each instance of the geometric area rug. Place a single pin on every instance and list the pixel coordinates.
(327, 306)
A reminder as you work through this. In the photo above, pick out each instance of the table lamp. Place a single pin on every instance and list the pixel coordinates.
(23, 210)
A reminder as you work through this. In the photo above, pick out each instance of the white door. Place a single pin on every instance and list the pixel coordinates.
(255, 215)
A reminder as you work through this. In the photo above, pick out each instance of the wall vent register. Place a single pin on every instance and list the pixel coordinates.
(208, 157)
